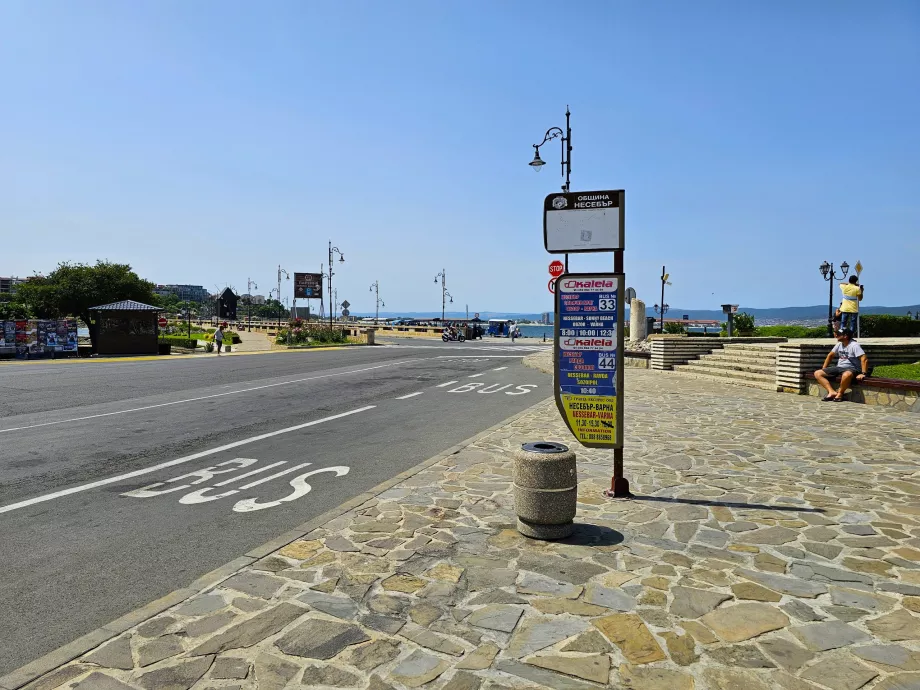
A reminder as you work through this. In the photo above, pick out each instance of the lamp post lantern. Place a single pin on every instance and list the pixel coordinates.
(566, 141)
(830, 275)
(664, 307)
(332, 252)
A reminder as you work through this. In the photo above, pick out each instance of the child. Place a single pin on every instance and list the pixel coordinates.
(849, 305)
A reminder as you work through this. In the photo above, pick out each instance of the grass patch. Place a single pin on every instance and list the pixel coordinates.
(905, 372)
(791, 332)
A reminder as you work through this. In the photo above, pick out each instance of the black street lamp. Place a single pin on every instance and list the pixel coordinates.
(332, 252)
(664, 307)
(288, 276)
(830, 275)
(566, 141)
(444, 293)
(375, 288)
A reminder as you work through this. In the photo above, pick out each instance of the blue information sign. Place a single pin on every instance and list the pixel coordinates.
(589, 347)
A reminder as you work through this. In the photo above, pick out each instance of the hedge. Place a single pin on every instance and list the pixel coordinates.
(179, 341)
(888, 326)
(791, 331)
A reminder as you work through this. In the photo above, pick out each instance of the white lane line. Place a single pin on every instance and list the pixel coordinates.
(172, 463)
(500, 369)
(472, 376)
(208, 397)
(444, 385)
(478, 357)
(411, 395)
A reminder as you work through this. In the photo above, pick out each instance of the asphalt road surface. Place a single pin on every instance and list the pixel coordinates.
(107, 501)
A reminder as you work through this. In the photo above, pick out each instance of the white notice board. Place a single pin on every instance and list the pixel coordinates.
(583, 222)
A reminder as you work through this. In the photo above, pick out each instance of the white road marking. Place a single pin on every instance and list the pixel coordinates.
(172, 463)
(444, 385)
(274, 476)
(472, 376)
(249, 474)
(207, 397)
(500, 369)
(411, 395)
(478, 357)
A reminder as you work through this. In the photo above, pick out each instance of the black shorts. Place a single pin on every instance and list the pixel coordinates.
(834, 372)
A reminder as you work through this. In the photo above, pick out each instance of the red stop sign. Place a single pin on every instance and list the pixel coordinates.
(162, 321)
(556, 268)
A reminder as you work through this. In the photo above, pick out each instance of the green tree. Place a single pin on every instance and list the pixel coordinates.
(71, 289)
(12, 308)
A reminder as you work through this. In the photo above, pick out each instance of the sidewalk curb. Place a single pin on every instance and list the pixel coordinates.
(68, 652)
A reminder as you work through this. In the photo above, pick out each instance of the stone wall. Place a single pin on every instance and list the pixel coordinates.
(794, 360)
(905, 401)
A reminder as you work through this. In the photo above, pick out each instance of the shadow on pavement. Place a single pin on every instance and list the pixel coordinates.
(727, 504)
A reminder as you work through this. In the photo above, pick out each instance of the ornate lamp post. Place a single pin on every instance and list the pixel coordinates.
(332, 252)
(288, 276)
(444, 293)
(566, 141)
(830, 275)
(664, 307)
(375, 288)
(250, 284)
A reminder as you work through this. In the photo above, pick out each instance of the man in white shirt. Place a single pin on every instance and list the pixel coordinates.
(852, 363)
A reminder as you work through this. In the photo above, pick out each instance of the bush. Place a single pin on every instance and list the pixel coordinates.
(229, 336)
(743, 322)
(299, 332)
(209, 347)
(179, 341)
(888, 326)
(791, 331)
(673, 328)
(905, 372)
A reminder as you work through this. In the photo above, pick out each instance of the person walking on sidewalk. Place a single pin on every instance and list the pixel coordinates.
(219, 338)
(849, 305)
(852, 362)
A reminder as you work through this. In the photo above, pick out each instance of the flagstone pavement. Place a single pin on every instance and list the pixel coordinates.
(774, 542)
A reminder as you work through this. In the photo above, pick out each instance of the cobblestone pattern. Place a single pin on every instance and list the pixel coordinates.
(902, 401)
(774, 543)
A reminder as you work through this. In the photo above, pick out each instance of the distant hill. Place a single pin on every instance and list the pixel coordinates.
(783, 313)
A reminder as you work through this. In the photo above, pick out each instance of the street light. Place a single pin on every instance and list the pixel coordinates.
(444, 293)
(375, 287)
(830, 275)
(566, 141)
(332, 252)
(288, 276)
(664, 307)
(250, 284)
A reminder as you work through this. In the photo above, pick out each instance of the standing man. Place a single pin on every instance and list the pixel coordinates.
(219, 338)
(852, 362)
(849, 305)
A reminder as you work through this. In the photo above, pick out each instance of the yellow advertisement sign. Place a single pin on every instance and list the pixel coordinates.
(592, 418)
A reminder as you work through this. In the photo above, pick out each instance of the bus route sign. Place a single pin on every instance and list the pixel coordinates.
(588, 344)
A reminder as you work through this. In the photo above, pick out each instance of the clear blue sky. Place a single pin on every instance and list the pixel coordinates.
(205, 142)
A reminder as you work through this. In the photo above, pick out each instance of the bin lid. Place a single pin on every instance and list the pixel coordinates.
(544, 447)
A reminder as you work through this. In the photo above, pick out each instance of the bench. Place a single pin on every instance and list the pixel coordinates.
(896, 393)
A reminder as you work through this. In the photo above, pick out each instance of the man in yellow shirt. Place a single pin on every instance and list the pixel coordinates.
(849, 305)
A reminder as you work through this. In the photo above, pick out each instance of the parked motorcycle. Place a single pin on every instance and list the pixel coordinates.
(448, 337)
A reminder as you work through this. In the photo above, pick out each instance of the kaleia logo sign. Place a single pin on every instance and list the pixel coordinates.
(573, 284)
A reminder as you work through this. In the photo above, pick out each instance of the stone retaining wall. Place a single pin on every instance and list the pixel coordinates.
(902, 400)
(794, 360)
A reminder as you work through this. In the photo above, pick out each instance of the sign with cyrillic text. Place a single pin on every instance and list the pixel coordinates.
(575, 222)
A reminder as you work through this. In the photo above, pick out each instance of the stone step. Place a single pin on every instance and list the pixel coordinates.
(693, 374)
(701, 367)
(763, 355)
(750, 347)
(735, 365)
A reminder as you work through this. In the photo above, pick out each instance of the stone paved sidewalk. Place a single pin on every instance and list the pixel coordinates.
(774, 543)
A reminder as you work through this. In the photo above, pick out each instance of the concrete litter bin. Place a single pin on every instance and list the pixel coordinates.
(545, 490)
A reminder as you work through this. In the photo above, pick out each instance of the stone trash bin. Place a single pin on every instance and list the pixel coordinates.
(545, 490)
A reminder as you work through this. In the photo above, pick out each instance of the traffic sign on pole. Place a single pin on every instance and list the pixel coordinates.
(552, 286)
(162, 322)
(556, 268)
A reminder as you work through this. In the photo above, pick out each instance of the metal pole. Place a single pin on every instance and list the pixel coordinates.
(662, 298)
(188, 316)
(331, 309)
(567, 147)
(830, 302)
(443, 293)
(619, 484)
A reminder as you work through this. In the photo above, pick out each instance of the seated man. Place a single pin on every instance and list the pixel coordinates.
(852, 362)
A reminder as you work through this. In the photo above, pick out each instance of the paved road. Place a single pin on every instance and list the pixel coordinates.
(99, 512)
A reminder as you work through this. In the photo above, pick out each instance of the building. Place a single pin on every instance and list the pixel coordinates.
(191, 293)
(546, 318)
(226, 305)
(8, 285)
(256, 299)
